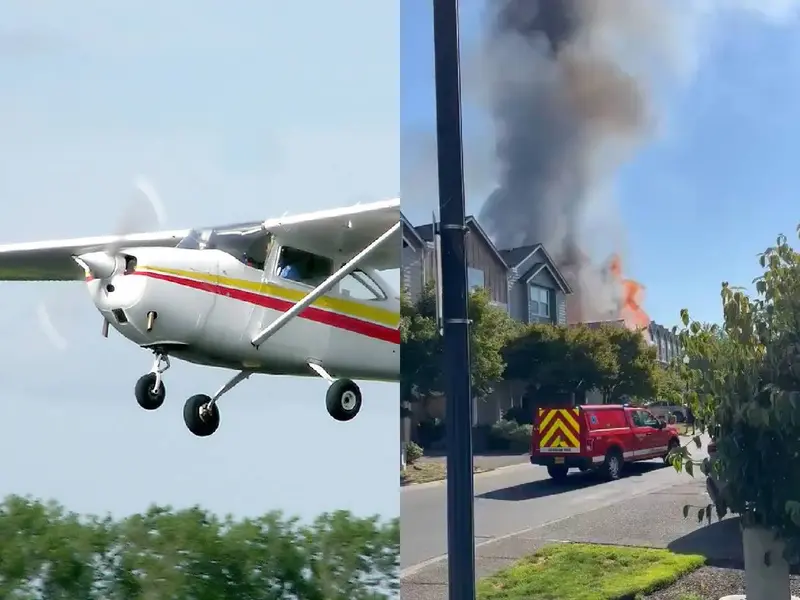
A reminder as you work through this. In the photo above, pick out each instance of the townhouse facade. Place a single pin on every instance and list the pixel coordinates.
(524, 281)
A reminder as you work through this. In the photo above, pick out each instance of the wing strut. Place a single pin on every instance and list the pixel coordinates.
(322, 288)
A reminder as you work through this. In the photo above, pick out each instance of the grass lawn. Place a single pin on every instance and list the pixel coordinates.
(425, 471)
(588, 572)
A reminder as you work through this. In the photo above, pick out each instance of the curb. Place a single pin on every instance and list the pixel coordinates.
(429, 484)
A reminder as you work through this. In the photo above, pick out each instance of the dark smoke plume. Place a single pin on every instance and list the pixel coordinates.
(567, 109)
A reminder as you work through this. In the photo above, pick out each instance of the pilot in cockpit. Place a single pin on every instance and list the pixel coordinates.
(288, 267)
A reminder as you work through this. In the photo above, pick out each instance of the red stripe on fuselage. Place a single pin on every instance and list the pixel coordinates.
(311, 313)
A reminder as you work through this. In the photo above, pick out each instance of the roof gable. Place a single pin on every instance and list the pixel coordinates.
(516, 256)
(425, 232)
(473, 224)
(536, 256)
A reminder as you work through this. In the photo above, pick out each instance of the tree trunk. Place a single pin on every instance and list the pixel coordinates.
(764, 581)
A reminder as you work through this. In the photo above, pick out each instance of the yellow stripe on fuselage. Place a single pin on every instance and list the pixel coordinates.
(375, 314)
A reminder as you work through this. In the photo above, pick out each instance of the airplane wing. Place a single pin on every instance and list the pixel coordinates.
(344, 231)
(52, 260)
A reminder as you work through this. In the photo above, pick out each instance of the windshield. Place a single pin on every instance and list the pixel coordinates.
(250, 245)
(196, 240)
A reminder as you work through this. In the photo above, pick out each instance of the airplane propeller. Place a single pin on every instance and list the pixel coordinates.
(145, 212)
(138, 217)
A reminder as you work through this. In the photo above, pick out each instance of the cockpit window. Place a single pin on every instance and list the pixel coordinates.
(360, 286)
(304, 267)
(250, 248)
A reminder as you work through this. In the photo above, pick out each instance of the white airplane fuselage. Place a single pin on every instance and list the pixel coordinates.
(205, 306)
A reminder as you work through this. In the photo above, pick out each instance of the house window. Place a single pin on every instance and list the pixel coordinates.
(540, 301)
(475, 278)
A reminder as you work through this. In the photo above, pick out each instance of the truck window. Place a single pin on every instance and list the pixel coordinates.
(605, 419)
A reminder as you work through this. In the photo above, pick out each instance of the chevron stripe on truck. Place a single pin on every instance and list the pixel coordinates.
(558, 430)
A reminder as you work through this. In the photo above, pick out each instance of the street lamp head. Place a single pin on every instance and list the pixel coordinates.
(686, 359)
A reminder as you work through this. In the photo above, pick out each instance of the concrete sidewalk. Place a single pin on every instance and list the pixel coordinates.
(653, 520)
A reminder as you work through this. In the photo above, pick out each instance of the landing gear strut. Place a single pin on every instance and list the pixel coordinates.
(150, 390)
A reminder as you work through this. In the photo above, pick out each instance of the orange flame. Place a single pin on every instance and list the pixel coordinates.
(631, 310)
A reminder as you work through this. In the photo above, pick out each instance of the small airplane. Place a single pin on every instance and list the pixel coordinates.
(298, 295)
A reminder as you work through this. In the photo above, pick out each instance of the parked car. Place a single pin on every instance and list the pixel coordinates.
(598, 437)
(662, 409)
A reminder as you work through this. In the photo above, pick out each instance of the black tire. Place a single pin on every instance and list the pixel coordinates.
(558, 472)
(199, 424)
(145, 396)
(343, 399)
(612, 465)
(673, 444)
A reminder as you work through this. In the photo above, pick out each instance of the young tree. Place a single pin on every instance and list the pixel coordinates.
(421, 345)
(748, 390)
(561, 359)
(50, 554)
(638, 371)
(671, 385)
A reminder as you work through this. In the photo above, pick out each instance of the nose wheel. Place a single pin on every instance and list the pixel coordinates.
(150, 391)
(343, 399)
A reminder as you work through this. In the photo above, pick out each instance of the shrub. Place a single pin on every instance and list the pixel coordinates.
(413, 452)
(510, 435)
(520, 414)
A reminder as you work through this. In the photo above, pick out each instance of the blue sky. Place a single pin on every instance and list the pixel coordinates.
(711, 191)
(235, 112)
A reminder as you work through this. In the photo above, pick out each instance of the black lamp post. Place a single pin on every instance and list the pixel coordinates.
(460, 515)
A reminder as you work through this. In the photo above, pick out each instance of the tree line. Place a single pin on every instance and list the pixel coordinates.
(554, 361)
(48, 553)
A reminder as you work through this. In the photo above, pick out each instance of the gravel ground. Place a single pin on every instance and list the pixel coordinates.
(710, 583)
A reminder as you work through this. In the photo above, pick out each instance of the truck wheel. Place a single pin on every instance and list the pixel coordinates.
(612, 466)
(557, 472)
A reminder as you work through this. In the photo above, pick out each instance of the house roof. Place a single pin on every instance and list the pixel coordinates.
(515, 256)
(426, 233)
(407, 226)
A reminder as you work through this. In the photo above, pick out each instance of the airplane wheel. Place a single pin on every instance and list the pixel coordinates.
(199, 422)
(145, 396)
(343, 399)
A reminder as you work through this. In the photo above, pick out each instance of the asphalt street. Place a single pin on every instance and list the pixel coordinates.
(514, 499)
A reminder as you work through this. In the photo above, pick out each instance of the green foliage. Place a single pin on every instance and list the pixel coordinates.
(671, 384)
(746, 386)
(638, 369)
(510, 435)
(567, 359)
(421, 344)
(413, 452)
(50, 554)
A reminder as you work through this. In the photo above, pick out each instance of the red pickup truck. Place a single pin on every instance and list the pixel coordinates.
(600, 437)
